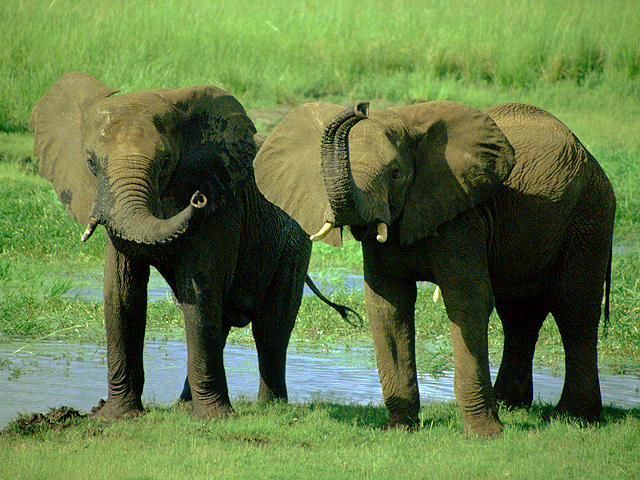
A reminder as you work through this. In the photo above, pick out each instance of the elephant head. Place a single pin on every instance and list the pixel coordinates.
(415, 166)
(142, 164)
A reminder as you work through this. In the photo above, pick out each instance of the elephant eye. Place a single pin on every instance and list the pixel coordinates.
(396, 174)
(92, 163)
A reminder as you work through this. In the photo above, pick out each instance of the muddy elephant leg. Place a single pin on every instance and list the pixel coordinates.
(468, 307)
(201, 300)
(125, 309)
(578, 325)
(185, 395)
(521, 319)
(272, 329)
(390, 304)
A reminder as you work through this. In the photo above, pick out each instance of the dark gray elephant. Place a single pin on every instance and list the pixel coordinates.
(169, 174)
(505, 207)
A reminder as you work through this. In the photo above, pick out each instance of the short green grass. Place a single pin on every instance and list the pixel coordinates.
(324, 440)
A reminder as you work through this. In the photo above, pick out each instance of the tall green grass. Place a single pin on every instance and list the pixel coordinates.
(270, 52)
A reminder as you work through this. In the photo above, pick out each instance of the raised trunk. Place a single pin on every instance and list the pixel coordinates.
(341, 189)
(130, 216)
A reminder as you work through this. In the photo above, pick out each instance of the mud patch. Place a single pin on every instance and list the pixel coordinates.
(55, 419)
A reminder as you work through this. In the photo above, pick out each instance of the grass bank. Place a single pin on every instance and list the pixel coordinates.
(321, 440)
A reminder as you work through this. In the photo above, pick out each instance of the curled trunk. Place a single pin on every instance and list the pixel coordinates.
(336, 167)
(130, 214)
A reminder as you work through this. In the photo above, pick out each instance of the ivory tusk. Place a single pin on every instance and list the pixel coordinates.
(382, 232)
(91, 227)
(323, 232)
(436, 294)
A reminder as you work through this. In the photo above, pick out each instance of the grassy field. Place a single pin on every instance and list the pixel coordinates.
(582, 57)
(321, 441)
(578, 59)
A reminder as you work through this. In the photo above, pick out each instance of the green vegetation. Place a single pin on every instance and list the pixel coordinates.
(271, 53)
(579, 60)
(321, 440)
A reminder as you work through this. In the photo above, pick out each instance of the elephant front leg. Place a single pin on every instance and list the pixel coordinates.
(390, 305)
(185, 395)
(202, 309)
(125, 307)
(468, 310)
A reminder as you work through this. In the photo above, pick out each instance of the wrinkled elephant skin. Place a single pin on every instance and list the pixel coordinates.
(502, 208)
(169, 174)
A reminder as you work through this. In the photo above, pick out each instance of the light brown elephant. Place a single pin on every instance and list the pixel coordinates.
(503, 207)
(169, 175)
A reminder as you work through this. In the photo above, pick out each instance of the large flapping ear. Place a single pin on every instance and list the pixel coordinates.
(462, 158)
(58, 121)
(288, 167)
(216, 142)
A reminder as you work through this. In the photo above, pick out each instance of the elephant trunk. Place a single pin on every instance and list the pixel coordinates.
(344, 197)
(131, 216)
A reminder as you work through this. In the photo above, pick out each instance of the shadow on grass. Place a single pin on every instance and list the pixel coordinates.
(538, 416)
(433, 415)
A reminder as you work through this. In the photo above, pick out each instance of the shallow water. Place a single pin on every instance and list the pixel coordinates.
(158, 289)
(50, 374)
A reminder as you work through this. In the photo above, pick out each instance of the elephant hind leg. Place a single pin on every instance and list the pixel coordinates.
(578, 325)
(576, 307)
(521, 319)
(272, 328)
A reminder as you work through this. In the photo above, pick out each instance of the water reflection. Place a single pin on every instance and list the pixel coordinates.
(49, 374)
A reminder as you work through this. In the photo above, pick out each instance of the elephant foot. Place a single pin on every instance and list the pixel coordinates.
(402, 422)
(117, 409)
(589, 412)
(488, 426)
(514, 397)
(211, 411)
(583, 402)
(267, 395)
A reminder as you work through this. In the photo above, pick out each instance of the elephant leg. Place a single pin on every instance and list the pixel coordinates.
(125, 309)
(469, 308)
(578, 325)
(201, 300)
(185, 395)
(272, 330)
(576, 307)
(521, 319)
(390, 304)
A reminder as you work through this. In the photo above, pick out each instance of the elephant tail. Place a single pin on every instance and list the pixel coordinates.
(344, 311)
(607, 293)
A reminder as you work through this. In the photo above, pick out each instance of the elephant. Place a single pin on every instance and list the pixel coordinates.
(502, 208)
(169, 175)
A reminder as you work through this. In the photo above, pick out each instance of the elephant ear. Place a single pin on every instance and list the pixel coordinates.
(288, 167)
(216, 142)
(58, 121)
(462, 158)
